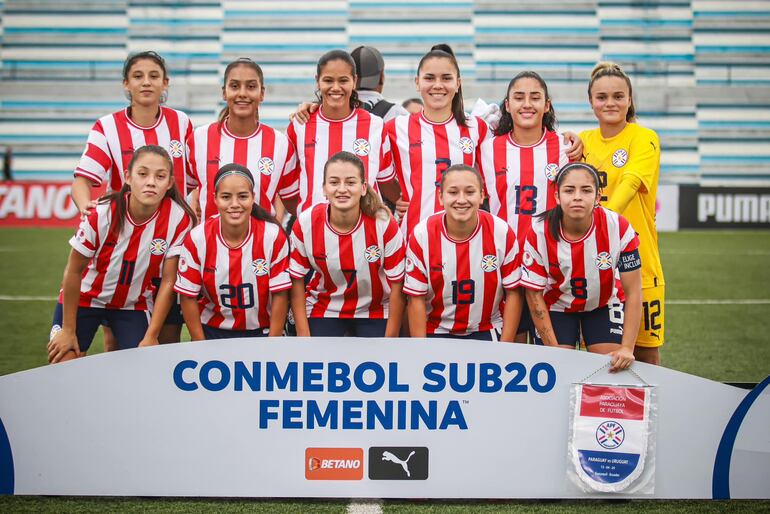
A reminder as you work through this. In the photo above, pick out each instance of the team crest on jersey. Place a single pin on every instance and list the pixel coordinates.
(260, 267)
(361, 147)
(158, 246)
(266, 165)
(551, 169)
(372, 253)
(466, 145)
(175, 148)
(182, 264)
(619, 158)
(489, 263)
(527, 259)
(409, 265)
(603, 261)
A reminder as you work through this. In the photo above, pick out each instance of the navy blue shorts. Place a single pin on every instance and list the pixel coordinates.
(525, 323)
(604, 325)
(484, 335)
(223, 333)
(354, 327)
(128, 326)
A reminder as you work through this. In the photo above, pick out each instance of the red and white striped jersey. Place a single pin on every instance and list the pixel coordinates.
(519, 180)
(114, 138)
(422, 150)
(236, 283)
(124, 266)
(267, 153)
(582, 275)
(317, 140)
(463, 281)
(352, 271)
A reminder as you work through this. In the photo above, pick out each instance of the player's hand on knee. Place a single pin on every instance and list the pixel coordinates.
(63, 346)
(622, 358)
(303, 112)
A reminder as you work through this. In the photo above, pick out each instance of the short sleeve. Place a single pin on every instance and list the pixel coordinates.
(188, 277)
(299, 265)
(533, 272)
(395, 251)
(511, 266)
(86, 238)
(288, 186)
(279, 265)
(96, 162)
(416, 280)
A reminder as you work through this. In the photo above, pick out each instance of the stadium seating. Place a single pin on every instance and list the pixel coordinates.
(700, 68)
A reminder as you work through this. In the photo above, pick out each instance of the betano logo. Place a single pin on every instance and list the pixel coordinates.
(334, 463)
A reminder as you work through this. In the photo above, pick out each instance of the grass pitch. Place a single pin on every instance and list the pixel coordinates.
(717, 314)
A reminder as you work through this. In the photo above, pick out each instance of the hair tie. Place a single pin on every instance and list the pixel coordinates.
(229, 173)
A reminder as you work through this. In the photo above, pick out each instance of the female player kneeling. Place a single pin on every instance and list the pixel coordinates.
(574, 257)
(238, 262)
(460, 264)
(117, 253)
(355, 250)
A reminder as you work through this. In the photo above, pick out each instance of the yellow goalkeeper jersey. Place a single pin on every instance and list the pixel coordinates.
(636, 151)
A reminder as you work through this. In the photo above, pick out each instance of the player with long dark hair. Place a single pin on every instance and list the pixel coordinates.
(576, 257)
(237, 263)
(117, 256)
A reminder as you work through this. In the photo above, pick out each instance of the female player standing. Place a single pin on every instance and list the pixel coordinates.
(237, 262)
(426, 143)
(460, 264)
(627, 156)
(114, 137)
(239, 137)
(356, 252)
(519, 165)
(570, 266)
(116, 254)
(339, 124)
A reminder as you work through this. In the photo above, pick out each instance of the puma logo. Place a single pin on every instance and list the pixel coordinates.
(388, 456)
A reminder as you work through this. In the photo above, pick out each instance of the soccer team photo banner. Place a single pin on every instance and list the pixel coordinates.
(399, 418)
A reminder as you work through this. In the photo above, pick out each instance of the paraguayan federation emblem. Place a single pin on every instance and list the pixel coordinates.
(603, 261)
(551, 169)
(361, 147)
(158, 246)
(372, 253)
(175, 149)
(619, 158)
(610, 435)
(466, 145)
(489, 263)
(266, 165)
(260, 267)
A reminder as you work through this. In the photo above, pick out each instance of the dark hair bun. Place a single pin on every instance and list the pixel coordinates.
(443, 47)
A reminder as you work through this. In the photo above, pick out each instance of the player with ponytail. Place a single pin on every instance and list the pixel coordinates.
(237, 263)
(426, 143)
(239, 137)
(627, 157)
(116, 260)
(576, 255)
(355, 251)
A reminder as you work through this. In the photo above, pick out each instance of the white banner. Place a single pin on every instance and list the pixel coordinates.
(352, 418)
